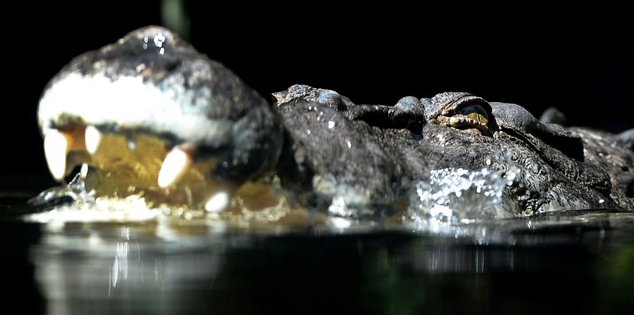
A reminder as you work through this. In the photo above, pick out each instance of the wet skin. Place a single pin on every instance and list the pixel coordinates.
(150, 115)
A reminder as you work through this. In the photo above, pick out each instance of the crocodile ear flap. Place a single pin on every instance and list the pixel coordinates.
(568, 142)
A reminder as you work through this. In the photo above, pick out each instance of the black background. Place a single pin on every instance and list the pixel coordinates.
(577, 58)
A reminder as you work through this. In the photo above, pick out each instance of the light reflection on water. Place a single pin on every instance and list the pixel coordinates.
(122, 268)
(168, 267)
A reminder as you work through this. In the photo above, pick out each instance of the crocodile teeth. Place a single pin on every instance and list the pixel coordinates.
(83, 171)
(218, 202)
(56, 147)
(174, 166)
(92, 138)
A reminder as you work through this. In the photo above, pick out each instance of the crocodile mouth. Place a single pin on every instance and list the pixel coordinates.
(147, 165)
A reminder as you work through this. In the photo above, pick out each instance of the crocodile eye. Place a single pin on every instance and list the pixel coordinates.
(477, 113)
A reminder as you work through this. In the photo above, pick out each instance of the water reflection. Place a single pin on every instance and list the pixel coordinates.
(169, 268)
(578, 262)
(124, 269)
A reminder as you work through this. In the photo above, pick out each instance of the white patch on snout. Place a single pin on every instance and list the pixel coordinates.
(128, 101)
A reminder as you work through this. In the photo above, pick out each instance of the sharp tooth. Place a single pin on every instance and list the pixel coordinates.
(92, 138)
(83, 171)
(56, 147)
(218, 202)
(174, 166)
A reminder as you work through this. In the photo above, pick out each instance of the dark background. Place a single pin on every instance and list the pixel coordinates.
(576, 58)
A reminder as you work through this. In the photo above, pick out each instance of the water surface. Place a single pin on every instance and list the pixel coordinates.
(579, 262)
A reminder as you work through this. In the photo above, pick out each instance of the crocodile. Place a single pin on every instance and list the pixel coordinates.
(150, 116)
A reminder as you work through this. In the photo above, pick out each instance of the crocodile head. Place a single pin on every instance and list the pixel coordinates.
(149, 115)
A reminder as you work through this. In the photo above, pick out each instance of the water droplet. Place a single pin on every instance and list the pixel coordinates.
(139, 68)
(454, 194)
(159, 39)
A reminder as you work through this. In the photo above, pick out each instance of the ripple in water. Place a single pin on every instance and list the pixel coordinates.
(455, 195)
